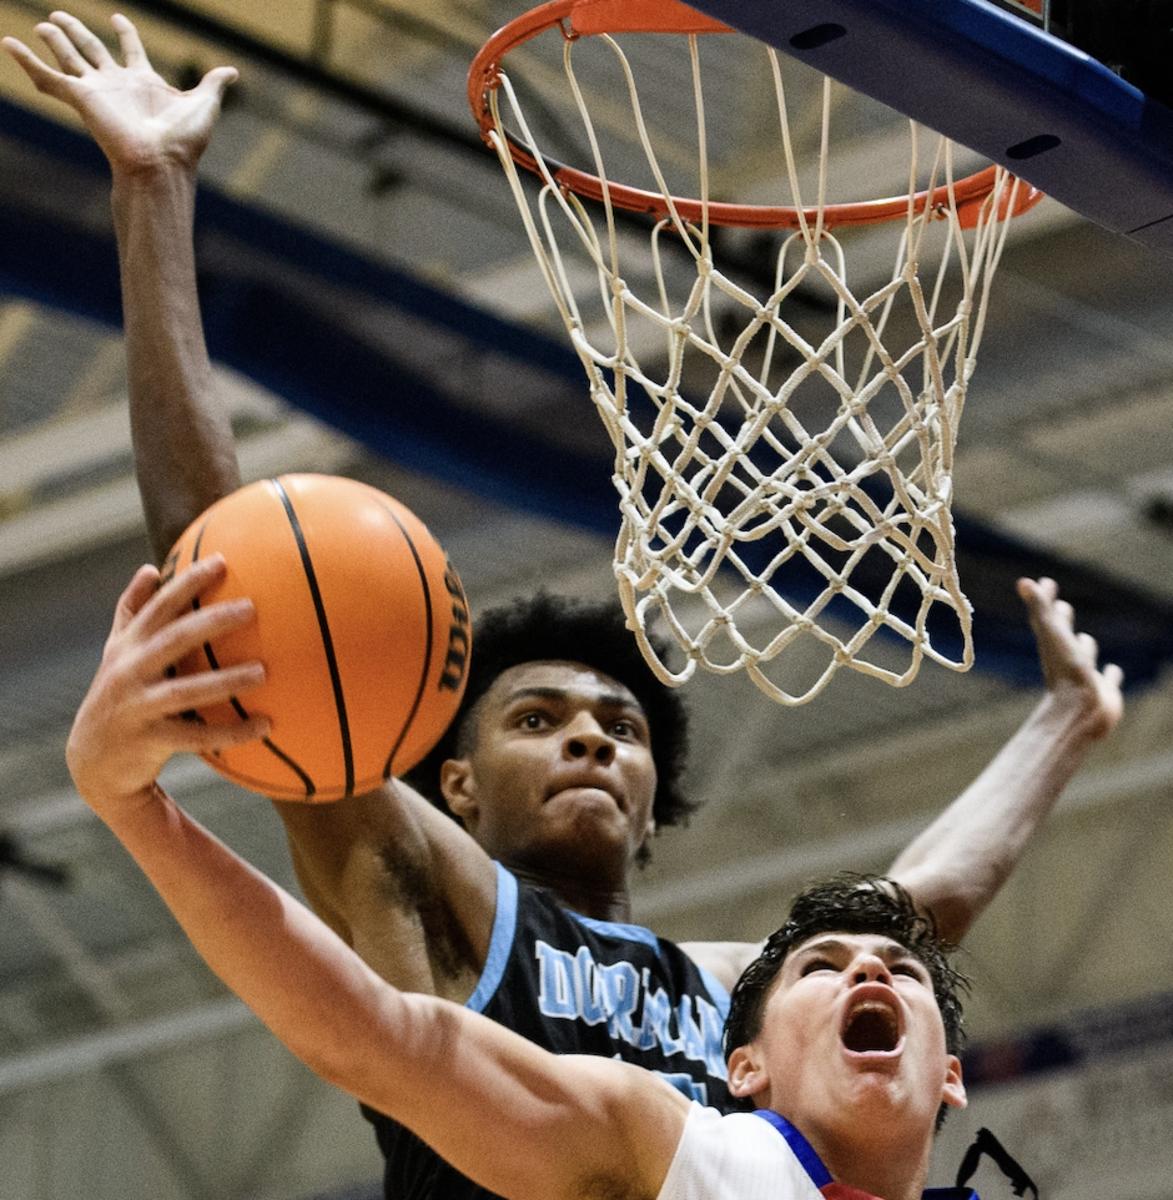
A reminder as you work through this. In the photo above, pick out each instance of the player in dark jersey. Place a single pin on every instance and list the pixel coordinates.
(578, 986)
(555, 771)
(843, 1036)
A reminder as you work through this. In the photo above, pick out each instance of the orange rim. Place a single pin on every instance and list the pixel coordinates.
(582, 18)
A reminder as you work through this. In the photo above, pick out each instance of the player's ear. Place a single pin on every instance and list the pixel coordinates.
(747, 1072)
(458, 787)
(953, 1093)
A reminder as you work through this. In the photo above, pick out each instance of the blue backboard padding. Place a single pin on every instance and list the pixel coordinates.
(992, 82)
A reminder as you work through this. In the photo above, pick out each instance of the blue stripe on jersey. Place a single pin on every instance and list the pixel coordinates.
(812, 1164)
(639, 933)
(617, 929)
(500, 943)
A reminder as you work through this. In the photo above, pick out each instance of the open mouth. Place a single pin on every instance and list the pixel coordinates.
(872, 1028)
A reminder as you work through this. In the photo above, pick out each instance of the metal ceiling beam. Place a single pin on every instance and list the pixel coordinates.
(56, 528)
(94, 1052)
(306, 71)
(722, 886)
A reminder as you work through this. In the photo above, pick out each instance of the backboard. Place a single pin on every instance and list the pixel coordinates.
(997, 84)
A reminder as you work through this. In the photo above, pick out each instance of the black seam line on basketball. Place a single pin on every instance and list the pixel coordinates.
(324, 630)
(209, 653)
(428, 623)
(191, 714)
(195, 557)
(306, 781)
(238, 708)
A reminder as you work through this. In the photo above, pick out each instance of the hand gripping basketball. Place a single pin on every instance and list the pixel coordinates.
(361, 623)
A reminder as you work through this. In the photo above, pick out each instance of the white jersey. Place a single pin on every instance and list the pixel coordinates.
(738, 1156)
(756, 1156)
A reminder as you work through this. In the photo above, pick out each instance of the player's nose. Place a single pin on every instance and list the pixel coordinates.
(867, 967)
(586, 738)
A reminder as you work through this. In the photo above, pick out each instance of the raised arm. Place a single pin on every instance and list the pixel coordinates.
(395, 878)
(473, 1090)
(956, 866)
(153, 135)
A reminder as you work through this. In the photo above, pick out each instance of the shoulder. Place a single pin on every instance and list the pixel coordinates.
(735, 1156)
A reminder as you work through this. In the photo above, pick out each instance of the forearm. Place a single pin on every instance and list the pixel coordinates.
(184, 453)
(300, 980)
(957, 865)
(470, 1088)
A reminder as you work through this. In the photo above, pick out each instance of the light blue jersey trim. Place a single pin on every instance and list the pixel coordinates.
(500, 943)
(639, 933)
(617, 929)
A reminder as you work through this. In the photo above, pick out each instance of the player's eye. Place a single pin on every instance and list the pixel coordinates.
(532, 719)
(908, 967)
(816, 964)
(629, 730)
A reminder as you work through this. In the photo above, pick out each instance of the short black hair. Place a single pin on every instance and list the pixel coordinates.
(849, 903)
(545, 628)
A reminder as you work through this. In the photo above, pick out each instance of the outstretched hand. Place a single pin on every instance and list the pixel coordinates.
(139, 120)
(130, 722)
(1070, 659)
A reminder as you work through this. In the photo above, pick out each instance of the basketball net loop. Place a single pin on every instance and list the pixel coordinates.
(813, 482)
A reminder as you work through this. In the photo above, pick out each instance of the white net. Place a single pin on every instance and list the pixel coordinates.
(781, 482)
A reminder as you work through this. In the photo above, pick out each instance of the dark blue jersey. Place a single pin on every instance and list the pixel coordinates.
(578, 986)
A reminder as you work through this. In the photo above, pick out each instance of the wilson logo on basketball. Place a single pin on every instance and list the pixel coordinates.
(456, 663)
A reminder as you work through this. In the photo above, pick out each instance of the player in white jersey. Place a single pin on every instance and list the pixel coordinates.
(842, 1032)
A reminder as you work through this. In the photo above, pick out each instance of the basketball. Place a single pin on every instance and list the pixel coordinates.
(361, 623)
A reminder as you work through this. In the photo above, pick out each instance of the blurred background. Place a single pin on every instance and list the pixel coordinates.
(373, 308)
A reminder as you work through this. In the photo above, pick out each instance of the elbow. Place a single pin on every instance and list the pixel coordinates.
(953, 903)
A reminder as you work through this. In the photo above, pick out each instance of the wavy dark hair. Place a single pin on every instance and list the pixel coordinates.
(546, 628)
(850, 903)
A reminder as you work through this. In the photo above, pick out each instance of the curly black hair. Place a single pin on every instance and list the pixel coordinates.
(546, 628)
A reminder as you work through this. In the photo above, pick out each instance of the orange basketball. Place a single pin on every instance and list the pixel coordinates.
(361, 624)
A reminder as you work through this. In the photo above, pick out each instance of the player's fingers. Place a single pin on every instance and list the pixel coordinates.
(206, 739)
(1043, 589)
(45, 78)
(176, 595)
(188, 632)
(218, 80)
(186, 692)
(129, 42)
(1089, 646)
(1113, 675)
(1065, 613)
(69, 57)
(1032, 594)
(88, 44)
(135, 597)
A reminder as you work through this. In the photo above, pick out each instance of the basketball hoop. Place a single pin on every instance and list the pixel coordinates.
(819, 464)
